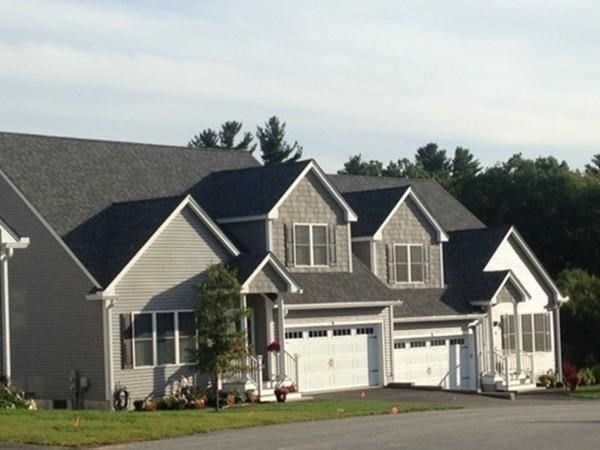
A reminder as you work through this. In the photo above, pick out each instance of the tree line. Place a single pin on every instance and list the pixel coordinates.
(274, 148)
(556, 208)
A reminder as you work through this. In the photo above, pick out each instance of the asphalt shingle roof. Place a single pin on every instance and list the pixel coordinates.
(431, 302)
(107, 241)
(340, 287)
(372, 208)
(70, 180)
(465, 256)
(448, 211)
(245, 264)
(246, 192)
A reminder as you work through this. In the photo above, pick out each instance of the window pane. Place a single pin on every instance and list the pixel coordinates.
(526, 323)
(416, 272)
(320, 255)
(401, 272)
(401, 254)
(319, 235)
(416, 254)
(186, 324)
(143, 353)
(142, 324)
(165, 351)
(186, 347)
(165, 325)
(302, 255)
(302, 234)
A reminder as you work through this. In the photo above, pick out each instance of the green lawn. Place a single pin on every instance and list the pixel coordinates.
(592, 392)
(97, 428)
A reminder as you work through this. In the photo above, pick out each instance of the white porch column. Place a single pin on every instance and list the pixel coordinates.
(281, 333)
(518, 337)
(5, 300)
(244, 324)
(491, 341)
(557, 343)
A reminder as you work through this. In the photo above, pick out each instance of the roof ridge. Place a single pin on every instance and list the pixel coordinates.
(391, 188)
(151, 199)
(263, 166)
(110, 141)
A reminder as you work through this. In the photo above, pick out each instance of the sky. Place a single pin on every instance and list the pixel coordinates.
(380, 78)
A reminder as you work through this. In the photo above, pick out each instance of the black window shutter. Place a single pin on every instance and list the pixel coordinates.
(126, 342)
(390, 263)
(332, 246)
(288, 236)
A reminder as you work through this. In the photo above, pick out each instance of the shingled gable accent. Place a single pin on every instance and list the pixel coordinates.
(285, 176)
(248, 266)
(501, 279)
(512, 232)
(187, 201)
(403, 193)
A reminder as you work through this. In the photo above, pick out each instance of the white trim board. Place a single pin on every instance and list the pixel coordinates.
(188, 201)
(342, 305)
(53, 233)
(450, 318)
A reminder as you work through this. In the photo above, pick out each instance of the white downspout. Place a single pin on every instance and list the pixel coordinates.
(5, 253)
(107, 305)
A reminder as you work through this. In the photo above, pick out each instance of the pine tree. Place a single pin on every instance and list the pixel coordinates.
(274, 148)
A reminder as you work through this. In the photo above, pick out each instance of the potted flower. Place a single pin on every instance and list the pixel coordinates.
(281, 393)
(274, 347)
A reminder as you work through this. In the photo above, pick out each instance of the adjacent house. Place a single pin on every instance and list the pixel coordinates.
(362, 281)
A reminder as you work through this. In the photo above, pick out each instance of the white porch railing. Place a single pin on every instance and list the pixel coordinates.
(292, 369)
(506, 366)
(250, 369)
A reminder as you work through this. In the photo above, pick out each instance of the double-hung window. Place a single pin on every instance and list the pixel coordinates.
(310, 245)
(163, 338)
(535, 333)
(409, 263)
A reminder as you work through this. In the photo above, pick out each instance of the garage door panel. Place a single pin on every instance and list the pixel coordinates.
(442, 362)
(344, 357)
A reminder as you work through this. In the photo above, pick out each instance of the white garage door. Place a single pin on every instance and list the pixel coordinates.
(336, 357)
(443, 361)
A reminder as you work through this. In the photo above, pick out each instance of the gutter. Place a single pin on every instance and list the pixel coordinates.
(439, 318)
(339, 305)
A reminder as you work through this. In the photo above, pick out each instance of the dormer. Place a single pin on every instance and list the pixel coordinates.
(290, 209)
(398, 237)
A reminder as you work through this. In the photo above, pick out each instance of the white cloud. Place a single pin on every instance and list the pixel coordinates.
(378, 78)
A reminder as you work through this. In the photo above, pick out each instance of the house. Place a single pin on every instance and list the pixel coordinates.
(362, 281)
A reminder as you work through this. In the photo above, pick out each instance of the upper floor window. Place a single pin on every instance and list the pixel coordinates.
(163, 338)
(310, 245)
(409, 263)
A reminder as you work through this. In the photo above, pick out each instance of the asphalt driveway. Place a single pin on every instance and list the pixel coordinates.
(548, 425)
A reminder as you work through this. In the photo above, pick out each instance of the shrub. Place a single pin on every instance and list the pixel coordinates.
(548, 380)
(586, 376)
(571, 376)
(13, 398)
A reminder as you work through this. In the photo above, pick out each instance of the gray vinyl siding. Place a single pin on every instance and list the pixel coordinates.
(267, 281)
(54, 329)
(329, 317)
(363, 251)
(310, 202)
(163, 279)
(409, 226)
(250, 235)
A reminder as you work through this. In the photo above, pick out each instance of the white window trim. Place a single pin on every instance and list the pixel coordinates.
(310, 243)
(176, 313)
(410, 280)
(533, 332)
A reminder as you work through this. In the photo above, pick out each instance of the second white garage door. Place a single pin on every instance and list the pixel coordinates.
(443, 361)
(336, 357)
